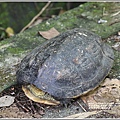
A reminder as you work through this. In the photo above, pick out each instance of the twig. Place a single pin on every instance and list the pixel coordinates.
(115, 14)
(32, 107)
(81, 115)
(22, 106)
(43, 9)
(82, 107)
(39, 106)
(114, 22)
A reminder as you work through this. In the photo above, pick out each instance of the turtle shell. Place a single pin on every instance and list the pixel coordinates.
(68, 65)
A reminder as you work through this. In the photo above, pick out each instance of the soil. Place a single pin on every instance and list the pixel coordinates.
(23, 107)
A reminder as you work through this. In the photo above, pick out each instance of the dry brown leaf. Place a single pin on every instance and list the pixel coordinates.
(111, 82)
(38, 21)
(111, 86)
(105, 96)
(114, 110)
(50, 33)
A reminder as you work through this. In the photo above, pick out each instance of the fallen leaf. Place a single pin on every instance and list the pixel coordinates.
(9, 31)
(38, 21)
(50, 33)
(105, 96)
(111, 86)
(109, 82)
(6, 100)
(62, 11)
(115, 110)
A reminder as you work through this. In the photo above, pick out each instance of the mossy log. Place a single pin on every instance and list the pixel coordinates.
(97, 17)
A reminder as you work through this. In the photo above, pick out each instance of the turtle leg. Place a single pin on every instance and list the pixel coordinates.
(65, 101)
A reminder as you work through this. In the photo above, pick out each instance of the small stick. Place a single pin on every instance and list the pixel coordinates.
(81, 107)
(43, 9)
(116, 21)
(38, 105)
(25, 109)
(32, 107)
(82, 115)
(115, 14)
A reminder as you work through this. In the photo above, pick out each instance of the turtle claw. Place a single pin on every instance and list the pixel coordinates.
(66, 102)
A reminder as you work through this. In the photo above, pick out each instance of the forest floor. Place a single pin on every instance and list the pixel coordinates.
(23, 107)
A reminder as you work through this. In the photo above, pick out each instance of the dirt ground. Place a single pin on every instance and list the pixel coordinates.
(25, 108)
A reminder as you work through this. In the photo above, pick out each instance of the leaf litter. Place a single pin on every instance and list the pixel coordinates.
(27, 108)
(103, 102)
(105, 97)
(49, 34)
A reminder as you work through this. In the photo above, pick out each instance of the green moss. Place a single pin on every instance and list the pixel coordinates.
(4, 19)
(14, 50)
(115, 72)
(4, 82)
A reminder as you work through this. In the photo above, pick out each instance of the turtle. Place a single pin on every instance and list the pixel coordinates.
(65, 67)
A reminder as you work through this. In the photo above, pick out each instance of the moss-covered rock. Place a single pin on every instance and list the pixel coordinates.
(100, 18)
